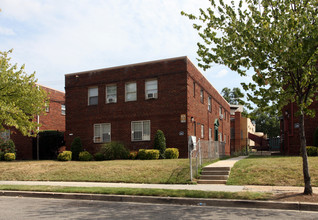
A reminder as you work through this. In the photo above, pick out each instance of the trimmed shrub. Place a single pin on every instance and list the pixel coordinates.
(99, 156)
(133, 155)
(85, 156)
(114, 150)
(76, 148)
(316, 137)
(172, 153)
(65, 156)
(2, 156)
(160, 143)
(144, 154)
(312, 151)
(7, 146)
(9, 157)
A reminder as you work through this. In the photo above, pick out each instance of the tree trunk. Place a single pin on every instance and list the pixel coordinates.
(308, 189)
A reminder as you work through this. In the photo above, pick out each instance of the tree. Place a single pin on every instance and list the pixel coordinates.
(160, 143)
(234, 96)
(20, 98)
(266, 122)
(76, 147)
(278, 40)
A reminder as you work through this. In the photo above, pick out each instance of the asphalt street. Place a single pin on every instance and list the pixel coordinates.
(42, 208)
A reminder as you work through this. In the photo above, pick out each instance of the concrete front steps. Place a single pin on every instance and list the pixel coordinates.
(214, 175)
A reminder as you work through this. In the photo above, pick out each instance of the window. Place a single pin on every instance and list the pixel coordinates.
(93, 96)
(201, 96)
(102, 133)
(202, 131)
(220, 110)
(210, 133)
(5, 135)
(131, 92)
(220, 137)
(225, 138)
(193, 89)
(111, 94)
(47, 107)
(63, 109)
(151, 89)
(209, 104)
(140, 130)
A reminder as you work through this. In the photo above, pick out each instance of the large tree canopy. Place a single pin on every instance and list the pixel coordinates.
(20, 98)
(265, 122)
(278, 40)
(234, 96)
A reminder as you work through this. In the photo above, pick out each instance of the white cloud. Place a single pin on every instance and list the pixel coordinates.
(222, 73)
(6, 31)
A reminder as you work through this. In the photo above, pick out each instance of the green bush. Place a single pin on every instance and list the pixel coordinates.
(114, 151)
(76, 148)
(133, 155)
(160, 143)
(316, 137)
(2, 156)
(99, 156)
(9, 156)
(144, 154)
(7, 146)
(172, 153)
(312, 151)
(85, 156)
(65, 156)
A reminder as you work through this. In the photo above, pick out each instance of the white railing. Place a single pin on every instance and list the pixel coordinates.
(206, 151)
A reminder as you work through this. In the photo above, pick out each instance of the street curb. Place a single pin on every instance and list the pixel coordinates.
(299, 206)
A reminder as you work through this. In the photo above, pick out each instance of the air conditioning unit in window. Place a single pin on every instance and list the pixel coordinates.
(221, 116)
(152, 95)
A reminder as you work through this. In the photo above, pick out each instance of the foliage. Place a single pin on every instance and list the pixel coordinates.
(144, 154)
(171, 153)
(312, 151)
(234, 96)
(65, 156)
(20, 98)
(266, 122)
(2, 155)
(133, 155)
(50, 142)
(7, 146)
(9, 156)
(278, 40)
(160, 143)
(316, 137)
(76, 148)
(114, 151)
(99, 156)
(85, 156)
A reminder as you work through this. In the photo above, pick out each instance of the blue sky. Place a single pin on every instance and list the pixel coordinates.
(56, 37)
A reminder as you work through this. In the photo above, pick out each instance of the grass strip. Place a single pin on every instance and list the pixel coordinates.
(142, 192)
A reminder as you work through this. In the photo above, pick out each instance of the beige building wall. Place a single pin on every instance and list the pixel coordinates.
(246, 127)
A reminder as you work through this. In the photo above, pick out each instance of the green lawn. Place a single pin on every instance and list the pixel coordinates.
(128, 171)
(272, 170)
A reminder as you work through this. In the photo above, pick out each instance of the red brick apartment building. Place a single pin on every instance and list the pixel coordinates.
(130, 103)
(289, 124)
(53, 119)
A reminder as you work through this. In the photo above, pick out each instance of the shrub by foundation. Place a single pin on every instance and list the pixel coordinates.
(114, 150)
(76, 148)
(2, 156)
(85, 156)
(9, 157)
(144, 154)
(99, 156)
(65, 156)
(133, 155)
(171, 153)
(312, 151)
(160, 143)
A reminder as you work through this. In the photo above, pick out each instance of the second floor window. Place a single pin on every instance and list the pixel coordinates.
(63, 110)
(151, 89)
(93, 96)
(131, 92)
(201, 96)
(111, 94)
(210, 104)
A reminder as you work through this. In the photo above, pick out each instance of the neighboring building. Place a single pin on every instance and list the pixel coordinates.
(240, 127)
(53, 119)
(289, 124)
(130, 103)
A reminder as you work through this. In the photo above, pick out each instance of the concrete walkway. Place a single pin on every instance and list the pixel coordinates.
(227, 163)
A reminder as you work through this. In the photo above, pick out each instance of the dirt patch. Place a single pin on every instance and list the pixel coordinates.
(296, 197)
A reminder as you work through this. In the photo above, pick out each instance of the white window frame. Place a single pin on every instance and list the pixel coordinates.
(202, 131)
(154, 92)
(210, 133)
(47, 107)
(210, 104)
(202, 96)
(112, 95)
(224, 138)
(126, 92)
(221, 137)
(89, 95)
(63, 109)
(144, 137)
(99, 138)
